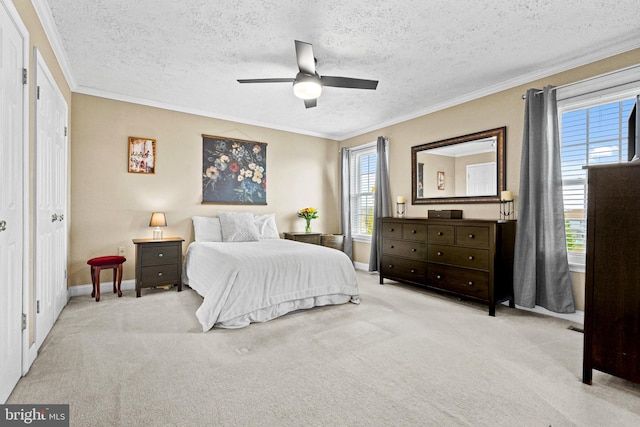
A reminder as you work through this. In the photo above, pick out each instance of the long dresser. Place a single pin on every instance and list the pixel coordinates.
(465, 257)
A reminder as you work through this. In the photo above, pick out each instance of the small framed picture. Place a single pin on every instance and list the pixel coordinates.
(440, 180)
(142, 155)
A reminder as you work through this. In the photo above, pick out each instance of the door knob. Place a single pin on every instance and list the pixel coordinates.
(3, 225)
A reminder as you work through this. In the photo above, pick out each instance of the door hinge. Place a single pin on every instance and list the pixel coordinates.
(38, 307)
(38, 92)
(65, 131)
(24, 76)
(24, 321)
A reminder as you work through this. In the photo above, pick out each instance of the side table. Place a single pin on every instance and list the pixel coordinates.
(301, 236)
(158, 262)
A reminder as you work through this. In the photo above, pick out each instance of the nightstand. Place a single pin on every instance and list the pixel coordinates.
(303, 237)
(158, 262)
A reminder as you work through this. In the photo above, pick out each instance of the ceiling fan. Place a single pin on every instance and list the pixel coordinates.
(307, 84)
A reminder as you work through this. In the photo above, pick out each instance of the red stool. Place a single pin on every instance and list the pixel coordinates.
(104, 262)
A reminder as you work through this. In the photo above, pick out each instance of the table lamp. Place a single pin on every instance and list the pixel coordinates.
(157, 220)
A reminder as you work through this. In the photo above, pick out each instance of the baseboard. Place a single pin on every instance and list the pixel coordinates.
(577, 317)
(361, 266)
(82, 290)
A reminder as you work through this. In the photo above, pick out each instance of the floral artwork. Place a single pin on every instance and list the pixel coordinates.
(233, 171)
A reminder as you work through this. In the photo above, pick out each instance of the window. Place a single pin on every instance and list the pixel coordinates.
(363, 179)
(593, 135)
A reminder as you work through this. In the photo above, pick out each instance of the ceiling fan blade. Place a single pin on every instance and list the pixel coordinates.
(306, 60)
(284, 80)
(348, 82)
(310, 103)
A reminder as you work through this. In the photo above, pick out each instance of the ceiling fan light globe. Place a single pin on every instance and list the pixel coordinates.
(307, 89)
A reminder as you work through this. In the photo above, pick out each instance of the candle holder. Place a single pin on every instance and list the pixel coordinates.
(400, 210)
(506, 210)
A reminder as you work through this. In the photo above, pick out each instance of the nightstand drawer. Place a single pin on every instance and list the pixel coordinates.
(159, 254)
(159, 274)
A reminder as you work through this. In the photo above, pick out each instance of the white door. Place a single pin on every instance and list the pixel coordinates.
(11, 202)
(481, 179)
(51, 201)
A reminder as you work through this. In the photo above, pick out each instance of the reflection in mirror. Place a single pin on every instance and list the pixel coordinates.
(464, 169)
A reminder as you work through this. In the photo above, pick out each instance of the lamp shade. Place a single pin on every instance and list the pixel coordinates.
(158, 220)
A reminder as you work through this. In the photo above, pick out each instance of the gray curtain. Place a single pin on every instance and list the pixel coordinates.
(345, 201)
(381, 201)
(541, 270)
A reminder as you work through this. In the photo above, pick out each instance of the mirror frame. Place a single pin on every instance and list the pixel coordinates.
(501, 157)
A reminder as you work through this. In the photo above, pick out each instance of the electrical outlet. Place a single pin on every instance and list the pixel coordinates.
(122, 251)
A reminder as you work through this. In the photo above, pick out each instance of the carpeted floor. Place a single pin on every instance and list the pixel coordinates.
(403, 357)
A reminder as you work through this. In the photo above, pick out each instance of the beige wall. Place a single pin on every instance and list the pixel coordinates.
(110, 206)
(504, 108)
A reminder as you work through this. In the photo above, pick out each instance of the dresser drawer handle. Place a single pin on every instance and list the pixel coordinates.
(471, 236)
(413, 231)
(413, 249)
(439, 253)
(392, 246)
(160, 274)
(160, 255)
(438, 276)
(390, 265)
(439, 233)
(470, 283)
(391, 230)
(471, 258)
(412, 270)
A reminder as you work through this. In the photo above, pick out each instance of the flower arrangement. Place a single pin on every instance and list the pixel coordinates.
(308, 214)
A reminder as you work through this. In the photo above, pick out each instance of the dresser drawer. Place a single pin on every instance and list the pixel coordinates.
(471, 283)
(159, 274)
(443, 234)
(404, 248)
(159, 254)
(473, 236)
(392, 230)
(414, 232)
(454, 255)
(401, 268)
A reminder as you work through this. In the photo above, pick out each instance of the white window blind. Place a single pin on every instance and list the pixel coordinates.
(363, 178)
(589, 136)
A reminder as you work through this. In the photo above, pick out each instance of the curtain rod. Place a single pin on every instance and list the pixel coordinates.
(599, 76)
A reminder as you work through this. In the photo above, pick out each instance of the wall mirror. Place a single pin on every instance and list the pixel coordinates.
(464, 169)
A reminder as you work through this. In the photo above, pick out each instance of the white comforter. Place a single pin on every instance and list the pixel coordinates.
(257, 281)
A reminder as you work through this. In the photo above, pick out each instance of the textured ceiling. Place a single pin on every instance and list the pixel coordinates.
(426, 54)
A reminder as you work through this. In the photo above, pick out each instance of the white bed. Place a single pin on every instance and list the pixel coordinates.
(245, 282)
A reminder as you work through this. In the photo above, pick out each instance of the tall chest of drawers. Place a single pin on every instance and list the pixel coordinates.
(464, 257)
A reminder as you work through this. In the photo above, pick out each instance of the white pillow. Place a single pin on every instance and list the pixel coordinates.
(267, 228)
(207, 229)
(238, 227)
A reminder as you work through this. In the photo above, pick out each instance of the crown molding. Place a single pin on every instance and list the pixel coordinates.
(51, 31)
